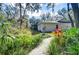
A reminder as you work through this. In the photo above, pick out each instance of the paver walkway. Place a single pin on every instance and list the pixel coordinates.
(42, 48)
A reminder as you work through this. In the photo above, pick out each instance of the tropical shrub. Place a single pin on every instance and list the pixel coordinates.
(66, 44)
(16, 41)
(21, 44)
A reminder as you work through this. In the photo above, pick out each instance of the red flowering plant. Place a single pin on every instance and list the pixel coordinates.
(58, 31)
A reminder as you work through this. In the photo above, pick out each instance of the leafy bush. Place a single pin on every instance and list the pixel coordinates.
(22, 44)
(16, 41)
(35, 39)
(67, 44)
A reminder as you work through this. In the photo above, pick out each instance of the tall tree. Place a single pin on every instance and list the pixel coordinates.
(48, 16)
(34, 22)
(72, 23)
(43, 17)
(62, 12)
(75, 9)
(0, 5)
(32, 7)
(20, 7)
(51, 5)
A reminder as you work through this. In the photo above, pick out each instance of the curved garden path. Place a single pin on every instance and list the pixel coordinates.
(42, 48)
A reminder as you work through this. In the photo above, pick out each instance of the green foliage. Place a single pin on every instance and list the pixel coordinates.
(35, 39)
(67, 44)
(16, 41)
(21, 44)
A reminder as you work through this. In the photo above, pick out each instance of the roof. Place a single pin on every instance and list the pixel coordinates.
(48, 22)
(64, 21)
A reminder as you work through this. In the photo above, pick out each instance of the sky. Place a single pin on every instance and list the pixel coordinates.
(57, 7)
(60, 6)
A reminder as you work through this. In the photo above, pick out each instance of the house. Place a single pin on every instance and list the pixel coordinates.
(49, 26)
(64, 24)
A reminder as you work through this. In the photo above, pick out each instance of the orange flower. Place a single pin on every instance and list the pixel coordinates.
(58, 31)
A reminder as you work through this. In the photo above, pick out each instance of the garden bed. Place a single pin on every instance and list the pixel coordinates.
(18, 42)
(68, 44)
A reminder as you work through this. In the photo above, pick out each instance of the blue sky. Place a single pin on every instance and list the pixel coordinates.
(60, 6)
(57, 7)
